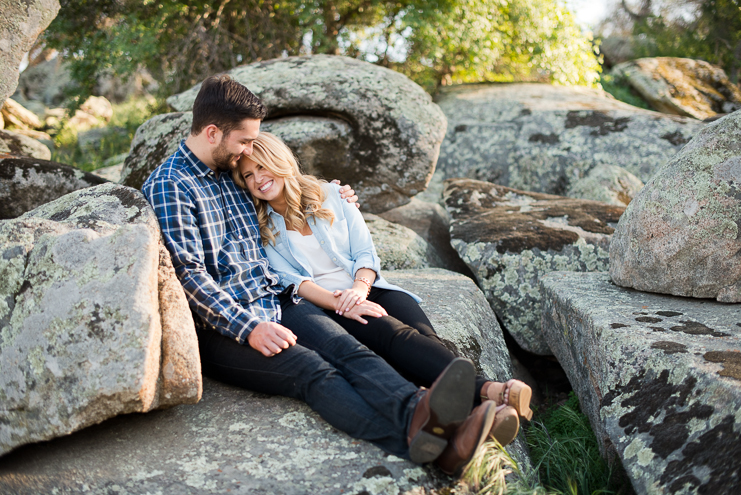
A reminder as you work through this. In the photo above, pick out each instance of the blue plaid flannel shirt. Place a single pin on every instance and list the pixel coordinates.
(210, 227)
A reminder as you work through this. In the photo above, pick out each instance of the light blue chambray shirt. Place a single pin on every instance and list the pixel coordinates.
(347, 242)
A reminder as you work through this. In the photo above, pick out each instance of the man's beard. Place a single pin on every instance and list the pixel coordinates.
(223, 159)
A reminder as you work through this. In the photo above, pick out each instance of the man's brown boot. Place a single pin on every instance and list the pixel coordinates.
(468, 438)
(440, 410)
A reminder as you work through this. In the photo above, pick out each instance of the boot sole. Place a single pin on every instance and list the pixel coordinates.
(506, 426)
(451, 399)
(426, 447)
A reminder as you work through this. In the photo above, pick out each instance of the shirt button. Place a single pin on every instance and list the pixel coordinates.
(322, 242)
(334, 259)
(239, 237)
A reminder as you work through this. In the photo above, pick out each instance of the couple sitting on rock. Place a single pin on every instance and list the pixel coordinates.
(285, 284)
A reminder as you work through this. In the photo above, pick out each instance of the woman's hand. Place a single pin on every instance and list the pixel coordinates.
(348, 298)
(366, 308)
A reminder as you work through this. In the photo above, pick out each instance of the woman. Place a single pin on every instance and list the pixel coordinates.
(321, 247)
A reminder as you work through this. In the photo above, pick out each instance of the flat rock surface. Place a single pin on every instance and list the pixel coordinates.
(27, 183)
(658, 376)
(542, 138)
(243, 442)
(510, 238)
(680, 234)
(396, 128)
(682, 86)
(232, 441)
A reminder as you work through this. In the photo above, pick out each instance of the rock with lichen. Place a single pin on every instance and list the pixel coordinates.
(399, 247)
(16, 144)
(26, 183)
(543, 138)
(431, 222)
(395, 128)
(93, 321)
(608, 184)
(682, 86)
(510, 238)
(680, 234)
(234, 439)
(20, 25)
(658, 376)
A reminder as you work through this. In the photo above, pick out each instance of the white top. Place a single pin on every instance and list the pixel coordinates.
(327, 274)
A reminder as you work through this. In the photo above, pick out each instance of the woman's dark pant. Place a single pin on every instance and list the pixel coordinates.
(352, 388)
(405, 338)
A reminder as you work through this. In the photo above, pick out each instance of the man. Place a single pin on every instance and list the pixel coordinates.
(253, 335)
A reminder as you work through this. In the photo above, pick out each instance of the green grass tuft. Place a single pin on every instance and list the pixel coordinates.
(118, 134)
(566, 452)
(565, 456)
(621, 90)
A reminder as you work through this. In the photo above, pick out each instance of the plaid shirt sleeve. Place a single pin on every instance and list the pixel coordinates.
(177, 215)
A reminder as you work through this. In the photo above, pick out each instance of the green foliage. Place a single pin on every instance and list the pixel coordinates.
(118, 134)
(462, 41)
(621, 90)
(433, 41)
(713, 34)
(566, 452)
(179, 42)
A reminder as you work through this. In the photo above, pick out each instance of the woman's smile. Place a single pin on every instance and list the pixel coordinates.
(261, 182)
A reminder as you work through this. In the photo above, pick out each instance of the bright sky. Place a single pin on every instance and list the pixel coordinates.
(589, 12)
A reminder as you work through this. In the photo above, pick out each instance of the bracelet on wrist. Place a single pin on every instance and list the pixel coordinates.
(366, 281)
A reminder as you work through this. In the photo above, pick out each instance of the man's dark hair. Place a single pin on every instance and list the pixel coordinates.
(224, 102)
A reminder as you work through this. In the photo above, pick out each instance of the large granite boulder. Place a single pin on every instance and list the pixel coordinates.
(607, 183)
(510, 238)
(239, 440)
(431, 222)
(20, 25)
(314, 140)
(16, 144)
(26, 183)
(93, 321)
(680, 235)
(658, 376)
(396, 128)
(543, 138)
(682, 86)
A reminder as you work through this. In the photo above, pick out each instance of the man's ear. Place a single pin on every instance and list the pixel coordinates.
(212, 133)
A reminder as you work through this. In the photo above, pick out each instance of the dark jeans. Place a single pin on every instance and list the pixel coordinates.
(405, 338)
(352, 388)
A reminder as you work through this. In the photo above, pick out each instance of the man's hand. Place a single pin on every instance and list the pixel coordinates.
(347, 192)
(271, 338)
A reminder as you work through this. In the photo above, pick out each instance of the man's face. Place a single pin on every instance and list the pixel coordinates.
(235, 144)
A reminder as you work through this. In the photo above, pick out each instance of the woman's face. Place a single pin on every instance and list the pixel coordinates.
(261, 183)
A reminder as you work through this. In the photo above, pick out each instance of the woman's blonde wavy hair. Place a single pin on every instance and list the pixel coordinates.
(303, 193)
